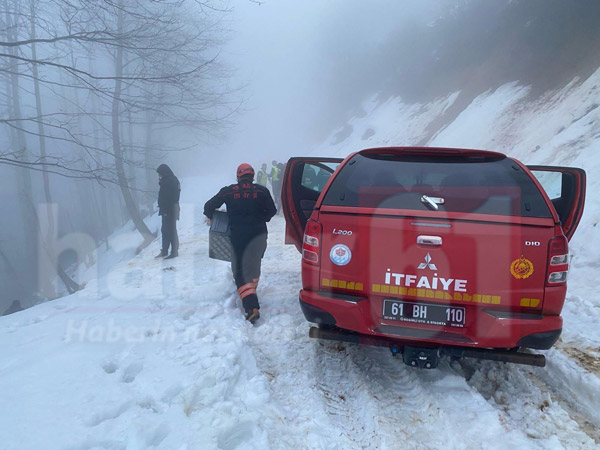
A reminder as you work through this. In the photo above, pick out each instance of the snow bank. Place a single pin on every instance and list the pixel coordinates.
(149, 355)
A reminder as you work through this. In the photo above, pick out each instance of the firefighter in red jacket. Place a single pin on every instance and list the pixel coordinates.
(249, 208)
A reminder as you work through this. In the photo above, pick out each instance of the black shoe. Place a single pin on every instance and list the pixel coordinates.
(172, 255)
(252, 315)
(161, 255)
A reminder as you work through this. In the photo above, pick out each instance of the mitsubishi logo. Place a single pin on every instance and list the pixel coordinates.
(427, 263)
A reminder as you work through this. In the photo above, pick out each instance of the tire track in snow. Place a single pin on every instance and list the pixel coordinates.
(371, 405)
(313, 392)
(568, 382)
(280, 350)
(582, 420)
(576, 385)
(527, 403)
(345, 398)
(332, 396)
(359, 389)
(587, 358)
(428, 409)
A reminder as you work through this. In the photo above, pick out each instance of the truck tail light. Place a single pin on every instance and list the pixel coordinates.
(558, 260)
(312, 241)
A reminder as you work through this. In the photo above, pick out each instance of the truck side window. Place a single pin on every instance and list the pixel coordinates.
(312, 179)
(315, 177)
(560, 187)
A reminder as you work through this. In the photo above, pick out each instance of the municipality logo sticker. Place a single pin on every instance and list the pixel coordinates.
(521, 268)
(340, 255)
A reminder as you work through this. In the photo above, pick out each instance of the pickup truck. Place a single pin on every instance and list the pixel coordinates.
(434, 251)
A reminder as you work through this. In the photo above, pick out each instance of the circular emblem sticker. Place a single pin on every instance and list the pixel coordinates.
(340, 255)
(521, 268)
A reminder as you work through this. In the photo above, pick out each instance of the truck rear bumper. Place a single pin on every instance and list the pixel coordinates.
(487, 328)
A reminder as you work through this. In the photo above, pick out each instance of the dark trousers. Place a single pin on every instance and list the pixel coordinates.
(169, 235)
(248, 251)
(277, 193)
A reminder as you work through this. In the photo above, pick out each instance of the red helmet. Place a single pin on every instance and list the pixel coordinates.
(244, 169)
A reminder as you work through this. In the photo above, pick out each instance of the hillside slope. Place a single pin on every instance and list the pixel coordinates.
(560, 128)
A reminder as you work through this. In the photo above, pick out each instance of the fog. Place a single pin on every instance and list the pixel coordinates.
(308, 66)
(95, 95)
(303, 63)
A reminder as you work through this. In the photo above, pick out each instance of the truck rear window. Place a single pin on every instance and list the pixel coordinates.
(476, 185)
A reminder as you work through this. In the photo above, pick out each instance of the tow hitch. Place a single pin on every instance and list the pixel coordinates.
(428, 358)
(423, 358)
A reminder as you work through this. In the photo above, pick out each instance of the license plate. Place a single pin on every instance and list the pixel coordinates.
(424, 313)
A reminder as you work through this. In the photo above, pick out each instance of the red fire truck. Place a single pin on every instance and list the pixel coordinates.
(434, 251)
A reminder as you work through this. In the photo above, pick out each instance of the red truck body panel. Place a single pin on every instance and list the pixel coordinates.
(459, 274)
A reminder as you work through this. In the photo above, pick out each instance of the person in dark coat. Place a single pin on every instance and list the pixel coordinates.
(168, 209)
(249, 208)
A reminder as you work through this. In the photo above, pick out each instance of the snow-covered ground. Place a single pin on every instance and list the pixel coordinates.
(156, 354)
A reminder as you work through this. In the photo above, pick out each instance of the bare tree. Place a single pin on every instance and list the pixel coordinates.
(71, 285)
(95, 88)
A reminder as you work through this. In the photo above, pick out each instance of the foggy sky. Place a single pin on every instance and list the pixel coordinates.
(309, 64)
(286, 51)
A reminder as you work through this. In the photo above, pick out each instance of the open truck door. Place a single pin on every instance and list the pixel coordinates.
(565, 187)
(303, 182)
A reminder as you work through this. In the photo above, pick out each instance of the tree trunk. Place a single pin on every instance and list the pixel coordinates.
(71, 285)
(132, 158)
(25, 189)
(150, 161)
(16, 276)
(107, 217)
(117, 151)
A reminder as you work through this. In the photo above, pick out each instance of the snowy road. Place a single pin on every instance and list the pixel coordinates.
(177, 367)
(371, 400)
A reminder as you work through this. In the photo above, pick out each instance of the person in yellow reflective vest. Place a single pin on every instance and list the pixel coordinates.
(275, 177)
(261, 176)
